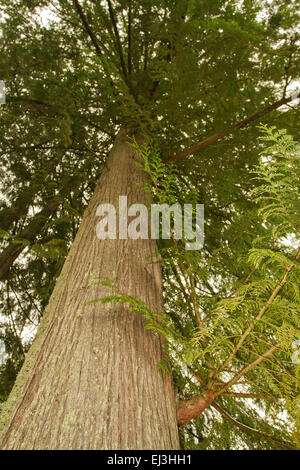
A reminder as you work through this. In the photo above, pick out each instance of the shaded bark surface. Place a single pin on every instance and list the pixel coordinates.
(90, 380)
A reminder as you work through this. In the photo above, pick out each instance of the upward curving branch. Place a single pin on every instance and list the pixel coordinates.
(87, 27)
(92, 37)
(248, 429)
(239, 125)
(247, 368)
(129, 59)
(117, 37)
(8, 215)
(261, 312)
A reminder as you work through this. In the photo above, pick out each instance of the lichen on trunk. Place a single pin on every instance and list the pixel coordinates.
(90, 379)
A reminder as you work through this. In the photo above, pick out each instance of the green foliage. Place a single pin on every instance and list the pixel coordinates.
(165, 180)
(239, 339)
(192, 69)
(280, 178)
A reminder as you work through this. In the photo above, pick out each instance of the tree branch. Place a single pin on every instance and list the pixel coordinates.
(87, 27)
(8, 215)
(248, 429)
(247, 368)
(117, 36)
(189, 409)
(250, 395)
(11, 253)
(260, 314)
(239, 125)
(129, 37)
(19, 208)
(92, 37)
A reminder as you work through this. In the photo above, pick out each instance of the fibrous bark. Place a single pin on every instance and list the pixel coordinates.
(90, 380)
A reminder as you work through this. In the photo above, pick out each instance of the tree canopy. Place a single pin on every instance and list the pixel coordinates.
(211, 85)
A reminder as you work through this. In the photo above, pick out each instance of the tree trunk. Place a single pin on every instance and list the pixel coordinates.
(90, 379)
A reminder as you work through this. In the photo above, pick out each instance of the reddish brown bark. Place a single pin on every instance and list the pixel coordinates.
(190, 409)
(90, 380)
(239, 125)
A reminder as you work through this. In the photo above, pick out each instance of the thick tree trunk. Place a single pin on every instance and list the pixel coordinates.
(90, 380)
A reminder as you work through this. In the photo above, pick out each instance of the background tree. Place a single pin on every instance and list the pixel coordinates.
(197, 75)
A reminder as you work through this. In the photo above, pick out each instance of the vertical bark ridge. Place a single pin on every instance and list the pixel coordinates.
(90, 380)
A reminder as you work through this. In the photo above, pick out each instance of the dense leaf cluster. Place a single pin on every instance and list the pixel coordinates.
(178, 71)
